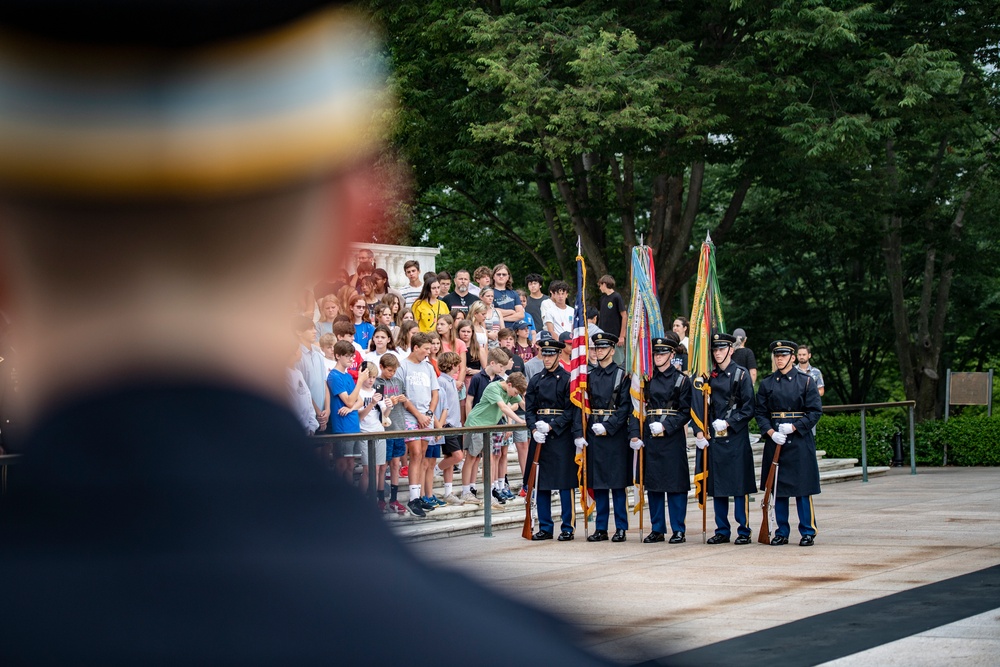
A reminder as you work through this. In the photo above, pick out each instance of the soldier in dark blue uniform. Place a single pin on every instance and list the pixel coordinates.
(172, 173)
(788, 407)
(668, 409)
(609, 459)
(554, 423)
(730, 457)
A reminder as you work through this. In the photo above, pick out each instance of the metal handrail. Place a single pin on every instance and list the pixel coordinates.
(373, 436)
(864, 407)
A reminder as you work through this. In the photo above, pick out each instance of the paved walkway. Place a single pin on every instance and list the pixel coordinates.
(636, 602)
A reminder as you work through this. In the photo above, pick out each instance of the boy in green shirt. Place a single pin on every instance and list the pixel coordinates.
(496, 402)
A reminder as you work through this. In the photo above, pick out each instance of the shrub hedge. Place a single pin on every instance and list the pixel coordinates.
(971, 441)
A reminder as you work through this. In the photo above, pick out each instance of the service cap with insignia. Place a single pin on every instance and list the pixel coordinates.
(666, 343)
(604, 339)
(783, 347)
(549, 346)
(720, 339)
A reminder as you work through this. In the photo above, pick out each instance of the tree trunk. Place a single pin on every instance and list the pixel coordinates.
(551, 216)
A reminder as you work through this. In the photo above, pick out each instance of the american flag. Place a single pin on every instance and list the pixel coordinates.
(578, 360)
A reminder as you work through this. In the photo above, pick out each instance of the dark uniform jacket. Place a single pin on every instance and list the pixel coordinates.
(609, 458)
(730, 458)
(795, 392)
(557, 461)
(666, 466)
(192, 524)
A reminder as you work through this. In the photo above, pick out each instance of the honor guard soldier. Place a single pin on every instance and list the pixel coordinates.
(172, 173)
(788, 407)
(554, 423)
(609, 459)
(668, 408)
(730, 457)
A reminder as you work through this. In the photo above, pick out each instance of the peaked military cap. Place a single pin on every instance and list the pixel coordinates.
(604, 339)
(783, 347)
(549, 346)
(165, 99)
(720, 339)
(665, 343)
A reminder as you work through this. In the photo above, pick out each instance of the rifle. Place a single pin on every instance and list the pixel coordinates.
(530, 491)
(767, 504)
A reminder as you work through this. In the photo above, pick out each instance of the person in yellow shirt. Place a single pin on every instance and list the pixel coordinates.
(428, 308)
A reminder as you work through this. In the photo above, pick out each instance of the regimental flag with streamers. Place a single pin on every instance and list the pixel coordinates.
(578, 372)
(644, 324)
(706, 317)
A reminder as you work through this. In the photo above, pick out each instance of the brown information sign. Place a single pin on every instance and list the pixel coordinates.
(970, 389)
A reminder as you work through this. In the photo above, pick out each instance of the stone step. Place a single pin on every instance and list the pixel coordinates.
(468, 519)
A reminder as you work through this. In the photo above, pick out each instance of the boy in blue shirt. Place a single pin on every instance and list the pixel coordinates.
(344, 392)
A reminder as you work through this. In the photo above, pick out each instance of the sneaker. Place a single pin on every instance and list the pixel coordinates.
(473, 492)
(381, 506)
(415, 508)
(397, 507)
(452, 499)
(500, 498)
(426, 504)
(404, 471)
(437, 501)
(497, 507)
(469, 499)
(522, 493)
(507, 493)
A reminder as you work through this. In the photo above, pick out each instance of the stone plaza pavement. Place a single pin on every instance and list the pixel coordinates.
(639, 603)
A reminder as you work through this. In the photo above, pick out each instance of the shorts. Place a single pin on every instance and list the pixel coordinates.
(500, 443)
(433, 452)
(521, 436)
(474, 444)
(349, 448)
(395, 448)
(452, 444)
(411, 425)
(379, 452)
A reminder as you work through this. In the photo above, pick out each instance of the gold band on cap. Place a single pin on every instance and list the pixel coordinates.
(239, 116)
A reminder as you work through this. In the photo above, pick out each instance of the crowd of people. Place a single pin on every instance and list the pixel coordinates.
(447, 351)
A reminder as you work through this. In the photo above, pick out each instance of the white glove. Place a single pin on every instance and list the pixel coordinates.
(786, 429)
(580, 442)
(538, 437)
(635, 444)
(542, 426)
(599, 429)
(700, 443)
(779, 438)
(656, 428)
(720, 425)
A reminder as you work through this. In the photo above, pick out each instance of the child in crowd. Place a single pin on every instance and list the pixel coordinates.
(428, 307)
(344, 331)
(367, 287)
(495, 404)
(383, 317)
(520, 436)
(299, 398)
(473, 359)
(395, 307)
(529, 319)
(536, 297)
(381, 344)
(523, 346)
(497, 360)
(370, 419)
(363, 329)
(491, 318)
(556, 315)
(506, 339)
(450, 364)
(329, 308)
(411, 292)
(344, 392)
(421, 386)
(403, 334)
(312, 368)
(394, 399)
(483, 277)
(326, 343)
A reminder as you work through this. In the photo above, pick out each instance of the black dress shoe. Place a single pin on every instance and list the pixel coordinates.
(541, 535)
(807, 541)
(718, 539)
(565, 536)
(653, 537)
(598, 536)
(777, 541)
(619, 536)
(742, 539)
(677, 537)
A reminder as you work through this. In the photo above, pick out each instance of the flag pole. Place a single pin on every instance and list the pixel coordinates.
(584, 495)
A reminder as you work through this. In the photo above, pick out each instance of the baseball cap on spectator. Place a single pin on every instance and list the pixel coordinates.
(518, 325)
(740, 334)
(565, 337)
